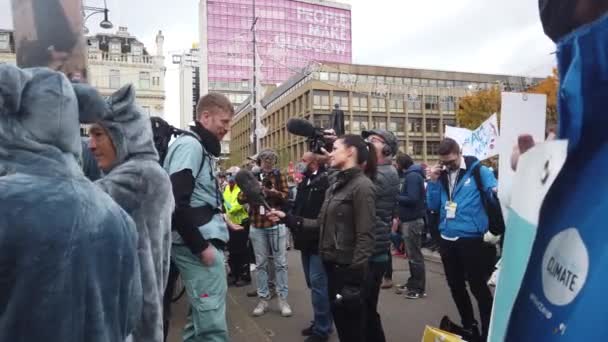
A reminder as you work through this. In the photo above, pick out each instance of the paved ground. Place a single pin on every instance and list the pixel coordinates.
(404, 320)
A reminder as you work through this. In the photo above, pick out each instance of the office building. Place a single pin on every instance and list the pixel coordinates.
(414, 104)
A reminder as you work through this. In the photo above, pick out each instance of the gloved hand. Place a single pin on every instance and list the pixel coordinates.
(491, 238)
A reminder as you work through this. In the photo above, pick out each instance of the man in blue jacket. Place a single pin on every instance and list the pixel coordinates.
(453, 193)
(412, 208)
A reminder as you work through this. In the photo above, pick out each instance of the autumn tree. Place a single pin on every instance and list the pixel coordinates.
(474, 109)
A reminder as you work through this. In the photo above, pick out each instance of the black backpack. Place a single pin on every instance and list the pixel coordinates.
(491, 205)
(163, 132)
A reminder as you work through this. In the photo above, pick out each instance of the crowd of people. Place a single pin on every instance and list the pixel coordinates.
(93, 234)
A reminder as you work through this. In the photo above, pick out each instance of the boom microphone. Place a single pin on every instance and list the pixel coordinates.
(302, 128)
(250, 186)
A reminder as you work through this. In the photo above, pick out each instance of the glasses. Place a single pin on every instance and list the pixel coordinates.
(375, 140)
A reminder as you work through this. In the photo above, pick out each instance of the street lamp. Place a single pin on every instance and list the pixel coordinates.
(104, 24)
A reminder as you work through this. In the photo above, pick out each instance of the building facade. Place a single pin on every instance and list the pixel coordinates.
(115, 60)
(414, 104)
(289, 35)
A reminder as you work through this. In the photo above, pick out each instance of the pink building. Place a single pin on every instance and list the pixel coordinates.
(289, 34)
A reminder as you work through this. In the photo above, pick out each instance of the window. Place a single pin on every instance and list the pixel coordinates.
(449, 122)
(448, 103)
(136, 50)
(144, 80)
(115, 48)
(432, 125)
(321, 100)
(359, 103)
(397, 126)
(417, 147)
(415, 125)
(324, 76)
(379, 123)
(431, 102)
(378, 104)
(333, 76)
(114, 79)
(341, 99)
(414, 103)
(4, 41)
(322, 120)
(396, 106)
(432, 148)
(360, 123)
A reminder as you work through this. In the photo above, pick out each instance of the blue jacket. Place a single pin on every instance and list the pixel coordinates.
(471, 218)
(69, 269)
(411, 199)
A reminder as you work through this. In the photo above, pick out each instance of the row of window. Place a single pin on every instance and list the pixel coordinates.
(420, 82)
(144, 80)
(321, 101)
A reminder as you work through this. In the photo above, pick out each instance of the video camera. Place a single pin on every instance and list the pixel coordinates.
(317, 138)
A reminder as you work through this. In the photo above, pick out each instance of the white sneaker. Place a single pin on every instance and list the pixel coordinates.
(284, 308)
(261, 308)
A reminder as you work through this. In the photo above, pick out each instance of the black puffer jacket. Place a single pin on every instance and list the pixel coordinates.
(309, 199)
(387, 188)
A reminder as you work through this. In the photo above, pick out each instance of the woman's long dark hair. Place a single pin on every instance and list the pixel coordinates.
(366, 153)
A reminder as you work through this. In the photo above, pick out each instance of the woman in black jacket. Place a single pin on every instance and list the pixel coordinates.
(346, 239)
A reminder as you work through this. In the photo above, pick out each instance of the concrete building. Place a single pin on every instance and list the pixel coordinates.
(289, 35)
(414, 104)
(115, 60)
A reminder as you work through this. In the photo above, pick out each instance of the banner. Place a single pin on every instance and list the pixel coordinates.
(481, 143)
(49, 33)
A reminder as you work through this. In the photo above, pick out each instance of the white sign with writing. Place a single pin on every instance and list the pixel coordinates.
(481, 143)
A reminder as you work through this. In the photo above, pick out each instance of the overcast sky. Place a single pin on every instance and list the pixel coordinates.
(488, 36)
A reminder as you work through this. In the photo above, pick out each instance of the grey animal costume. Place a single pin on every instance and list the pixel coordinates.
(138, 183)
(68, 267)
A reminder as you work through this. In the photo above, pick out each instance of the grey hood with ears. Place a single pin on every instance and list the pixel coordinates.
(129, 128)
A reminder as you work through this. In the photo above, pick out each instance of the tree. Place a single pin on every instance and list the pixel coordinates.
(549, 86)
(474, 109)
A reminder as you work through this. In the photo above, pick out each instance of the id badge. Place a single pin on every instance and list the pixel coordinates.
(262, 210)
(450, 210)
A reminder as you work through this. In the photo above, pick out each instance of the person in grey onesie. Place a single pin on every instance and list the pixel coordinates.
(122, 143)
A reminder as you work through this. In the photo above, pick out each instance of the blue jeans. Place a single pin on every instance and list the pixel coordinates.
(316, 279)
(263, 240)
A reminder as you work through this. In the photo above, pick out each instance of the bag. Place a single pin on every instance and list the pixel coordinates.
(437, 335)
(491, 205)
(162, 133)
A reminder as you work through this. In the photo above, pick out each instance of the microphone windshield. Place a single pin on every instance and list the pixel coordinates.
(250, 186)
(300, 127)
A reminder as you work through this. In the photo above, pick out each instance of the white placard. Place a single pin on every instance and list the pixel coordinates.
(481, 143)
(521, 113)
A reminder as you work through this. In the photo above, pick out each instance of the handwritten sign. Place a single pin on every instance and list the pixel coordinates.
(481, 143)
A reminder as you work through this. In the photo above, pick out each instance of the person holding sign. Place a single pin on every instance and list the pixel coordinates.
(454, 193)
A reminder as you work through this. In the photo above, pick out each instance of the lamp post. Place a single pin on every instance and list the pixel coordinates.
(89, 11)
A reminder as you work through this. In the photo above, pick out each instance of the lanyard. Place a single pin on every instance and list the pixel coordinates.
(452, 185)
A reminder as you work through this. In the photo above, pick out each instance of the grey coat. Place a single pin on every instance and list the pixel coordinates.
(141, 187)
(387, 190)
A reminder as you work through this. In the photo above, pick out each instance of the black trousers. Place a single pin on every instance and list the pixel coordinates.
(350, 321)
(238, 258)
(388, 274)
(371, 290)
(168, 296)
(469, 260)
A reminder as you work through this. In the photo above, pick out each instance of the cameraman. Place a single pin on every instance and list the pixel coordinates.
(345, 225)
(387, 189)
(268, 237)
(309, 198)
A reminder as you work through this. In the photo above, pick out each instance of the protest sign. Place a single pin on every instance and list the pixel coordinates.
(481, 143)
(49, 33)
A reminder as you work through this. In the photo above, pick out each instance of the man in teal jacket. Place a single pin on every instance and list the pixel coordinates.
(453, 192)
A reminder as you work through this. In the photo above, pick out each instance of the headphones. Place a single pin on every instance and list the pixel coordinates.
(387, 150)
